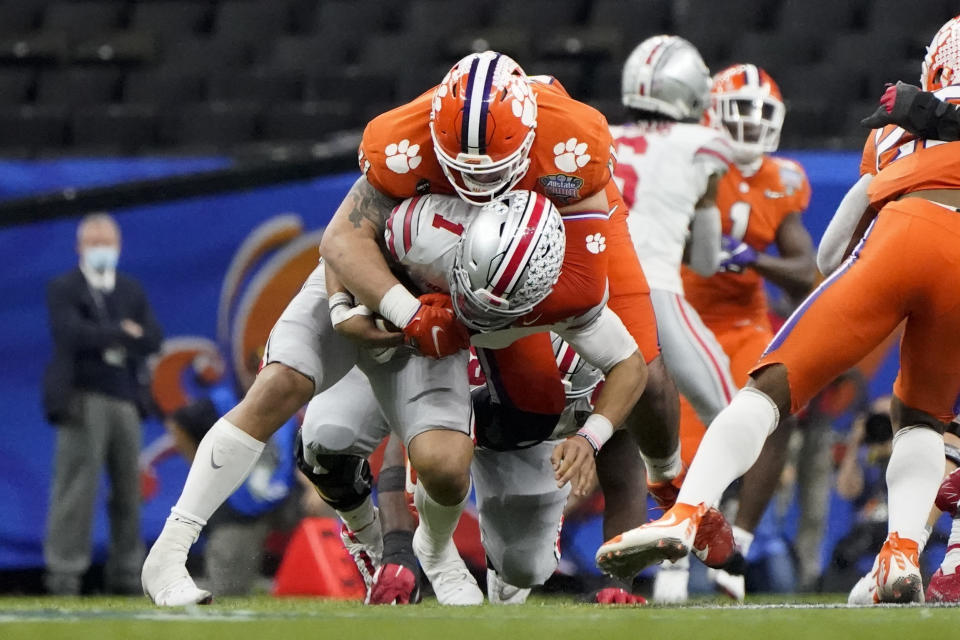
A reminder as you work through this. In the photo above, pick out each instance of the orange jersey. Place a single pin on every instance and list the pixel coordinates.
(902, 163)
(571, 158)
(752, 209)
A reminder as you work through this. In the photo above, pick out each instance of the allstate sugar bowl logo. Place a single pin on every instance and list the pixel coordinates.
(562, 187)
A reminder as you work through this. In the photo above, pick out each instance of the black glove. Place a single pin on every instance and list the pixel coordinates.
(919, 112)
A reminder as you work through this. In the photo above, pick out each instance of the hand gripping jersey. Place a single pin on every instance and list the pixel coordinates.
(662, 170)
(571, 158)
(751, 209)
(902, 163)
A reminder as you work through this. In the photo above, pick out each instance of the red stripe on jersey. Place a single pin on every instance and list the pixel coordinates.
(520, 256)
(407, 221)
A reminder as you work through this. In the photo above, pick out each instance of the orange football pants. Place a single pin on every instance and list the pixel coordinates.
(906, 268)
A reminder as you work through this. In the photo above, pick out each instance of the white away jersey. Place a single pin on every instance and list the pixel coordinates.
(662, 171)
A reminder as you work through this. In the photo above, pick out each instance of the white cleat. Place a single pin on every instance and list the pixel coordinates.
(499, 592)
(671, 584)
(452, 582)
(164, 576)
(669, 538)
(731, 584)
(864, 591)
(366, 547)
(897, 572)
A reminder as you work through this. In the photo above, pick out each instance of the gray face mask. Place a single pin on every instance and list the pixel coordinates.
(101, 258)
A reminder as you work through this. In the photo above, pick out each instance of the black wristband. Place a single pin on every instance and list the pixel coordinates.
(398, 549)
(392, 479)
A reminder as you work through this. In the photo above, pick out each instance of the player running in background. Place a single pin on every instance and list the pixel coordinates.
(668, 169)
(903, 267)
(761, 199)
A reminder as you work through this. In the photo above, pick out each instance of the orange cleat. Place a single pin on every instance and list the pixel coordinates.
(669, 538)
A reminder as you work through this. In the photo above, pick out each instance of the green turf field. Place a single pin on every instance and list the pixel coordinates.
(295, 619)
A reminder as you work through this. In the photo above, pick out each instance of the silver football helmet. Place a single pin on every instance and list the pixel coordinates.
(665, 74)
(507, 260)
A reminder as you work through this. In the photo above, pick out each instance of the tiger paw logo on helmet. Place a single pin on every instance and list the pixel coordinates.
(570, 155)
(596, 243)
(402, 156)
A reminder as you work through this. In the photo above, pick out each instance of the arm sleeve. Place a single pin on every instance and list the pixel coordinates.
(840, 231)
(72, 331)
(604, 342)
(705, 241)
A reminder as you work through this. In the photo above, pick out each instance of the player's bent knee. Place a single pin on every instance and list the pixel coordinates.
(525, 567)
(442, 461)
(343, 481)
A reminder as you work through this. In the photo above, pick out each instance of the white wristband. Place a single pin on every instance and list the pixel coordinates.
(596, 430)
(342, 308)
(399, 306)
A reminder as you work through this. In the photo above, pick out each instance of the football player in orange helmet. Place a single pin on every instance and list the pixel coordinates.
(761, 199)
(903, 267)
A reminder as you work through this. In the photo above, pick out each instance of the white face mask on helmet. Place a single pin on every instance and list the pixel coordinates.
(482, 122)
(507, 261)
(748, 105)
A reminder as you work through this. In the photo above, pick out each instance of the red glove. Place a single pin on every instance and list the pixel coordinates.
(435, 330)
(615, 595)
(394, 584)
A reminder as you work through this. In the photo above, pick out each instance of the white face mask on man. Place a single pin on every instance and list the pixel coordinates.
(101, 258)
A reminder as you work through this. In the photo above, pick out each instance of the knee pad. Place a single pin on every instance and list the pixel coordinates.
(342, 480)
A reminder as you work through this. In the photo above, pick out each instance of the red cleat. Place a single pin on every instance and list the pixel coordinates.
(948, 495)
(944, 587)
(714, 544)
(394, 584)
(615, 595)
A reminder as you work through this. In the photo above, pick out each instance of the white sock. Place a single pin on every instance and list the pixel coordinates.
(952, 559)
(360, 517)
(224, 459)
(731, 445)
(663, 469)
(914, 474)
(437, 521)
(743, 539)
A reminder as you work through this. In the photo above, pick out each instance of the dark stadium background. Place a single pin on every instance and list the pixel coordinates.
(196, 120)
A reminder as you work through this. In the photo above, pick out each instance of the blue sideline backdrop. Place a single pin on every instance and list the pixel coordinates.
(180, 252)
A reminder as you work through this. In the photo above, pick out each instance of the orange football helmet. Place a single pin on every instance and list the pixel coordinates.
(943, 57)
(482, 121)
(746, 102)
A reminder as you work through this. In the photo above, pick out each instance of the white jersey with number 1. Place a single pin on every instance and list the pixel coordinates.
(662, 171)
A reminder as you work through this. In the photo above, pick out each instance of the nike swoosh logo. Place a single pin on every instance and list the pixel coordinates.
(213, 462)
(665, 522)
(436, 344)
(528, 323)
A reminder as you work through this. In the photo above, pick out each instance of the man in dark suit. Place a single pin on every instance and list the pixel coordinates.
(103, 330)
